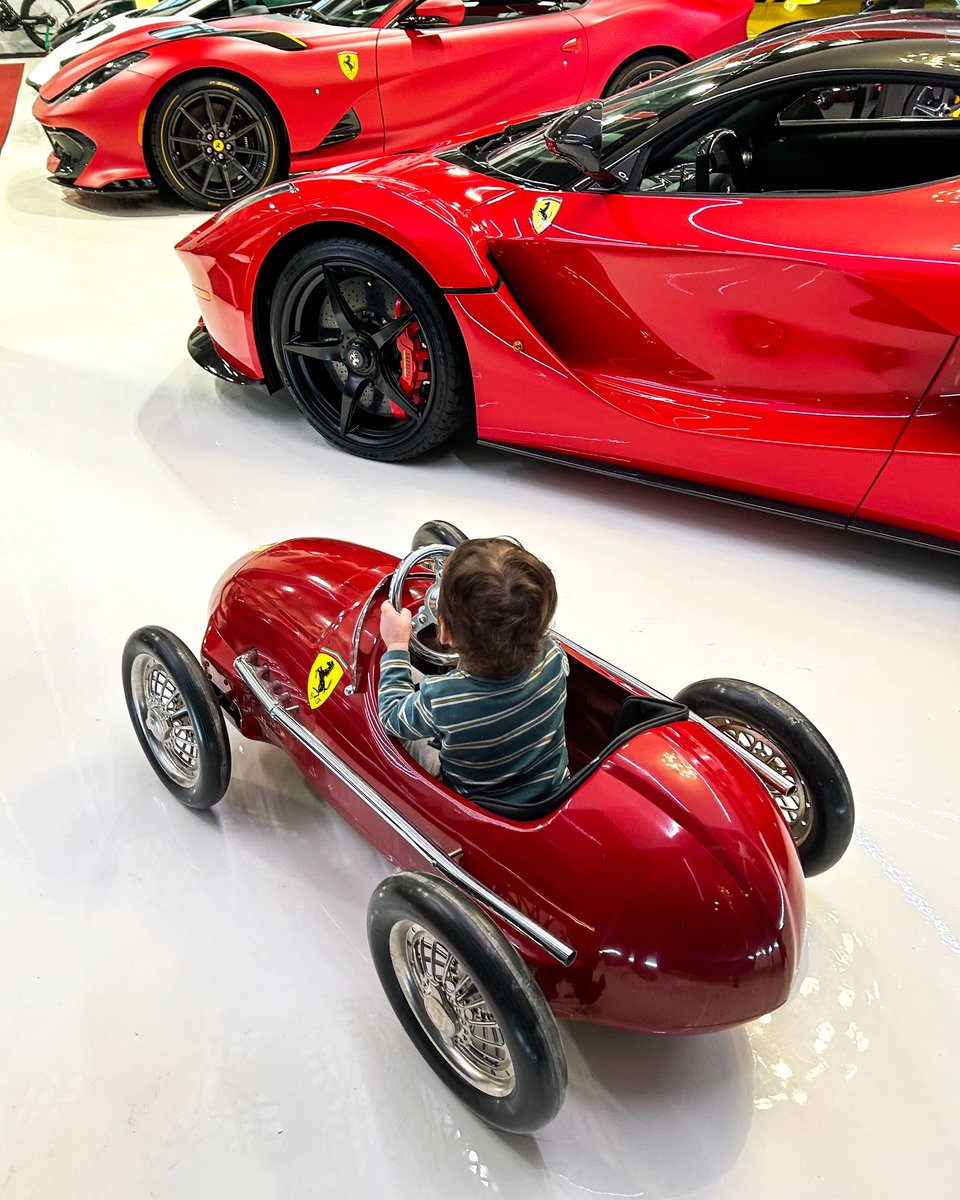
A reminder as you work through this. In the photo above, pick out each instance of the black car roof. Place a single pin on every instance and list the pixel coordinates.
(902, 44)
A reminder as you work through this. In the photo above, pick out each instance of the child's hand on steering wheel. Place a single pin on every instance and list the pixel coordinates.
(395, 627)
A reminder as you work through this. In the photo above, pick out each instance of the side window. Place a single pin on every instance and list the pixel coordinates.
(480, 12)
(221, 9)
(872, 101)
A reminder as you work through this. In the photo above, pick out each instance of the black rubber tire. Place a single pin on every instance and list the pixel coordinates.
(38, 33)
(639, 69)
(828, 789)
(528, 1026)
(450, 402)
(437, 533)
(222, 89)
(200, 701)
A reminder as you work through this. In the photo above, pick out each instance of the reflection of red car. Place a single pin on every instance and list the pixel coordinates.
(217, 111)
(738, 280)
(659, 890)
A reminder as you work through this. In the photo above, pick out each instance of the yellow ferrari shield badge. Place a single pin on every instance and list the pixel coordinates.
(544, 212)
(349, 63)
(325, 674)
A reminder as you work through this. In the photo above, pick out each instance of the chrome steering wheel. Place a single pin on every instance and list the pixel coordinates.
(425, 637)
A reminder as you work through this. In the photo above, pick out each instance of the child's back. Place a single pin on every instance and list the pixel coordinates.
(499, 717)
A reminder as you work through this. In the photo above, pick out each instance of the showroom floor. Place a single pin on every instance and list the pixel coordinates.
(188, 1005)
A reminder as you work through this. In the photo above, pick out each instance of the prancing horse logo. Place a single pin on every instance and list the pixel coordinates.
(349, 63)
(544, 212)
(325, 674)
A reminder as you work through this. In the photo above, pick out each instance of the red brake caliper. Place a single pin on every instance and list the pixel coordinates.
(414, 361)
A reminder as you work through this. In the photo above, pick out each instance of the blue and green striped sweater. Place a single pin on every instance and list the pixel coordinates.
(499, 738)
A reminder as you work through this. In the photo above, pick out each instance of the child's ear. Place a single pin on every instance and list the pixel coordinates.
(444, 632)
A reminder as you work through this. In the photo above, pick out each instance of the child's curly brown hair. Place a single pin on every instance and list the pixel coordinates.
(497, 601)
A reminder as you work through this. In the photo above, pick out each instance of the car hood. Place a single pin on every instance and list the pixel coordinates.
(278, 33)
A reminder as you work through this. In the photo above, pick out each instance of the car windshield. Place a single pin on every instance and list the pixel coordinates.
(354, 14)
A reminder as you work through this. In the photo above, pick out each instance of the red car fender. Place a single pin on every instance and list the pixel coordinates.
(685, 31)
(231, 263)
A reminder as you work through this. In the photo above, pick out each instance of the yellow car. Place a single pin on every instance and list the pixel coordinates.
(769, 13)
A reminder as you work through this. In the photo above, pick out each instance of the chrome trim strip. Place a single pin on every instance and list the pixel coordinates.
(411, 835)
(767, 774)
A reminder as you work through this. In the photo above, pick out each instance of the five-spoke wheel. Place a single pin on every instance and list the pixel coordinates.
(176, 716)
(368, 351)
(467, 1001)
(214, 141)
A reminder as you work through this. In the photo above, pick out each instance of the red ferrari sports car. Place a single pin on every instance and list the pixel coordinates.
(739, 280)
(215, 112)
(660, 889)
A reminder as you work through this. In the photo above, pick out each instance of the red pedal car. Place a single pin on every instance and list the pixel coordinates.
(739, 280)
(661, 889)
(214, 112)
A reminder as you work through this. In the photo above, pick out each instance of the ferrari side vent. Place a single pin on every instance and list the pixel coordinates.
(346, 128)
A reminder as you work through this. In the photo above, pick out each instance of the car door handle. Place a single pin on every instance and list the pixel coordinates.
(569, 47)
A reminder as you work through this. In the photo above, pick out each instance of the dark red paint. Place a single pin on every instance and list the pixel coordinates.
(669, 871)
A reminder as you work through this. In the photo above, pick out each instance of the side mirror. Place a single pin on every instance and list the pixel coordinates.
(576, 138)
(435, 12)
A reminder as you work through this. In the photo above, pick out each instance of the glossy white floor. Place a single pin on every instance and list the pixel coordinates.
(189, 1008)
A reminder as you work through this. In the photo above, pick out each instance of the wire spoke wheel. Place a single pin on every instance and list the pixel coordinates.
(820, 813)
(214, 143)
(452, 1009)
(42, 18)
(467, 1001)
(176, 715)
(796, 809)
(357, 354)
(165, 721)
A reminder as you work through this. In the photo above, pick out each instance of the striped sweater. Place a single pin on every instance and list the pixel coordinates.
(499, 738)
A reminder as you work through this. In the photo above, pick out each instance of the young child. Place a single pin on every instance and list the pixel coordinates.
(499, 716)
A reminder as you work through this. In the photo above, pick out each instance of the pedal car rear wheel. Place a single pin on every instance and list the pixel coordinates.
(176, 716)
(467, 1001)
(820, 814)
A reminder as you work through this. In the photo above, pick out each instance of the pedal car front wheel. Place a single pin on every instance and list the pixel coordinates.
(176, 716)
(467, 1001)
(819, 814)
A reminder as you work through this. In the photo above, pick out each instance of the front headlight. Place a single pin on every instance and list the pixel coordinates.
(101, 75)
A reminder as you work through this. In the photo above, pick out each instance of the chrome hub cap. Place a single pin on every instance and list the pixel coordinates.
(165, 721)
(451, 1008)
(795, 809)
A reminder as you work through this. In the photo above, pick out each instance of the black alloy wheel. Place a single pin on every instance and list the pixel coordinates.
(638, 70)
(214, 142)
(42, 19)
(367, 350)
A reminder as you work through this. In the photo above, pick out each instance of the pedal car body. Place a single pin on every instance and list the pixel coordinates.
(660, 891)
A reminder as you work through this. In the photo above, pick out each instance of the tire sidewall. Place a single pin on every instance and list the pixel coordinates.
(618, 81)
(163, 113)
(200, 701)
(529, 1028)
(823, 776)
(446, 404)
